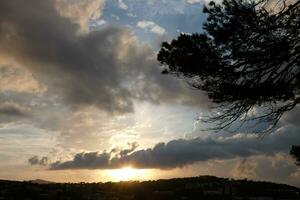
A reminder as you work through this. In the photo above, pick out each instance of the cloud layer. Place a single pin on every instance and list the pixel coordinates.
(179, 153)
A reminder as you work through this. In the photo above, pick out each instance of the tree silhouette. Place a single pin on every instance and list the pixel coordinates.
(247, 60)
(295, 152)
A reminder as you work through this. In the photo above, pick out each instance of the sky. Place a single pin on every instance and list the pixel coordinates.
(82, 98)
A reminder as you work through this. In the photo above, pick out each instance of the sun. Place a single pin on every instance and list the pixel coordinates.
(127, 173)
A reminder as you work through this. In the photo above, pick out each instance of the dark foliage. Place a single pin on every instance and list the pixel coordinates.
(203, 187)
(247, 60)
(295, 152)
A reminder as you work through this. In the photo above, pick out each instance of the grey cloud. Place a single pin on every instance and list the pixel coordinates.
(11, 111)
(108, 68)
(35, 160)
(81, 67)
(92, 160)
(292, 117)
(125, 152)
(179, 153)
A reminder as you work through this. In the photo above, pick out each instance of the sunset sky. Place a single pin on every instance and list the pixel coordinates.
(82, 98)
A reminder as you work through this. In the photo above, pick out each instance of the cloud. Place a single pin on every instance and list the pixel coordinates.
(11, 111)
(91, 160)
(122, 5)
(201, 1)
(80, 11)
(150, 8)
(194, 1)
(245, 169)
(19, 80)
(35, 160)
(77, 67)
(151, 27)
(277, 168)
(292, 117)
(108, 68)
(82, 68)
(125, 152)
(179, 153)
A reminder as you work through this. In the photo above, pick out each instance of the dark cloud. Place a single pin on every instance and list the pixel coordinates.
(92, 160)
(178, 153)
(125, 152)
(35, 160)
(107, 68)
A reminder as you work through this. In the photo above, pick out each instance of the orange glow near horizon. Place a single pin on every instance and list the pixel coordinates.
(128, 173)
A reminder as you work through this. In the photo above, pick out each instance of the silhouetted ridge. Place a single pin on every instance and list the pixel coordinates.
(203, 187)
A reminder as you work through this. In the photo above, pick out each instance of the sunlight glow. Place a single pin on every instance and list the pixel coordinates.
(128, 173)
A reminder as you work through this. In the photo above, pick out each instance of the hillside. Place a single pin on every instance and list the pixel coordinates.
(203, 187)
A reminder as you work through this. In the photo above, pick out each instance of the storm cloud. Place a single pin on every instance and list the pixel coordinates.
(182, 152)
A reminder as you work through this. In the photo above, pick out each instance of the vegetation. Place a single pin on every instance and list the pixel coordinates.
(247, 60)
(203, 187)
(295, 152)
